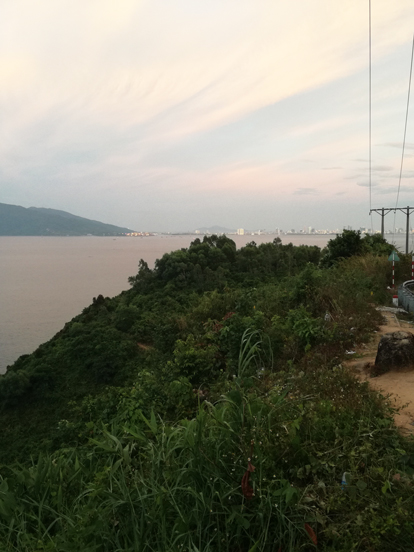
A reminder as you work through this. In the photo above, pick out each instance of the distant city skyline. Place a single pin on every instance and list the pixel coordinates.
(304, 230)
(289, 229)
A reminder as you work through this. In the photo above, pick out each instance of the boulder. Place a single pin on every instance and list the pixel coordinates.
(395, 350)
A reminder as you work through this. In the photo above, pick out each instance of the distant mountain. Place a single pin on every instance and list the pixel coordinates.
(215, 230)
(35, 221)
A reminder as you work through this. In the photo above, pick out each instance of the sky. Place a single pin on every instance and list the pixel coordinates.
(170, 115)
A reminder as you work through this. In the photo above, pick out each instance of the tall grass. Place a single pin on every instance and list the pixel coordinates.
(156, 486)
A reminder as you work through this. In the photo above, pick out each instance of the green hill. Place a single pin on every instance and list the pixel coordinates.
(207, 409)
(34, 221)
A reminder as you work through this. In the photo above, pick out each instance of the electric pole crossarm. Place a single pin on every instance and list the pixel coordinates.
(385, 210)
(405, 210)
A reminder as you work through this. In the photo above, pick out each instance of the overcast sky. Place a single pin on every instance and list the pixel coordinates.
(176, 114)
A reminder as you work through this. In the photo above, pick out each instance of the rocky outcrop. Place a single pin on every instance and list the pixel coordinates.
(395, 350)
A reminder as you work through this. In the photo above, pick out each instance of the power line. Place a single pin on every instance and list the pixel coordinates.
(370, 113)
(406, 121)
(405, 134)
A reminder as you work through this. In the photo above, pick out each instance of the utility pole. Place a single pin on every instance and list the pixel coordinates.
(385, 210)
(382, 213)
(407, 211)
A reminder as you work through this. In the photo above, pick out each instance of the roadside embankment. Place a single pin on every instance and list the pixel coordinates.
(399, 385)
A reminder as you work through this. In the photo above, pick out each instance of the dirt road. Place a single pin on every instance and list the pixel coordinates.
(398, 384)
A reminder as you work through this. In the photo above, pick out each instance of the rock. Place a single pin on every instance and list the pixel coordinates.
(395, 350)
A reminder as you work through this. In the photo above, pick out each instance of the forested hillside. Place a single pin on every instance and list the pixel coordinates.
(35, 221)
(207, 408)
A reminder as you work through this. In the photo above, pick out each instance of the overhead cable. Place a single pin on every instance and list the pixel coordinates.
(370, 113)
(405, 134)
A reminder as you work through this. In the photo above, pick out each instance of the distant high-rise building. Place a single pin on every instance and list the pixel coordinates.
(240, 231)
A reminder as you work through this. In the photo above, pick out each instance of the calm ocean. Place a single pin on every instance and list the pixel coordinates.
(46, 281)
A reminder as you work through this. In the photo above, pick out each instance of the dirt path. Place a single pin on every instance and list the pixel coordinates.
(400, 385)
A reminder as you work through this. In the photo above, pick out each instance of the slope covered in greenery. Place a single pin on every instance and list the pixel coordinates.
(34, 221)
(206, 408)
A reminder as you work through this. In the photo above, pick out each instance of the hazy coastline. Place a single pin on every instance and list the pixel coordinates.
(46, 281)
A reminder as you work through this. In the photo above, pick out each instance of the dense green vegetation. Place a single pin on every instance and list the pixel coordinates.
(207, 409)
(351, 243)
(38, 221)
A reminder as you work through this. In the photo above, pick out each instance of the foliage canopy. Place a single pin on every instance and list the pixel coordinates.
(350, 243)
(135, 426)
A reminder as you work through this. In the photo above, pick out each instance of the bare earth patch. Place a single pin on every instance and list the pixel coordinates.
(399, 384)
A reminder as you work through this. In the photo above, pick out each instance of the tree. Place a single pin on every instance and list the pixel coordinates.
(345, 245)
(351, 243)
(377, 245)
